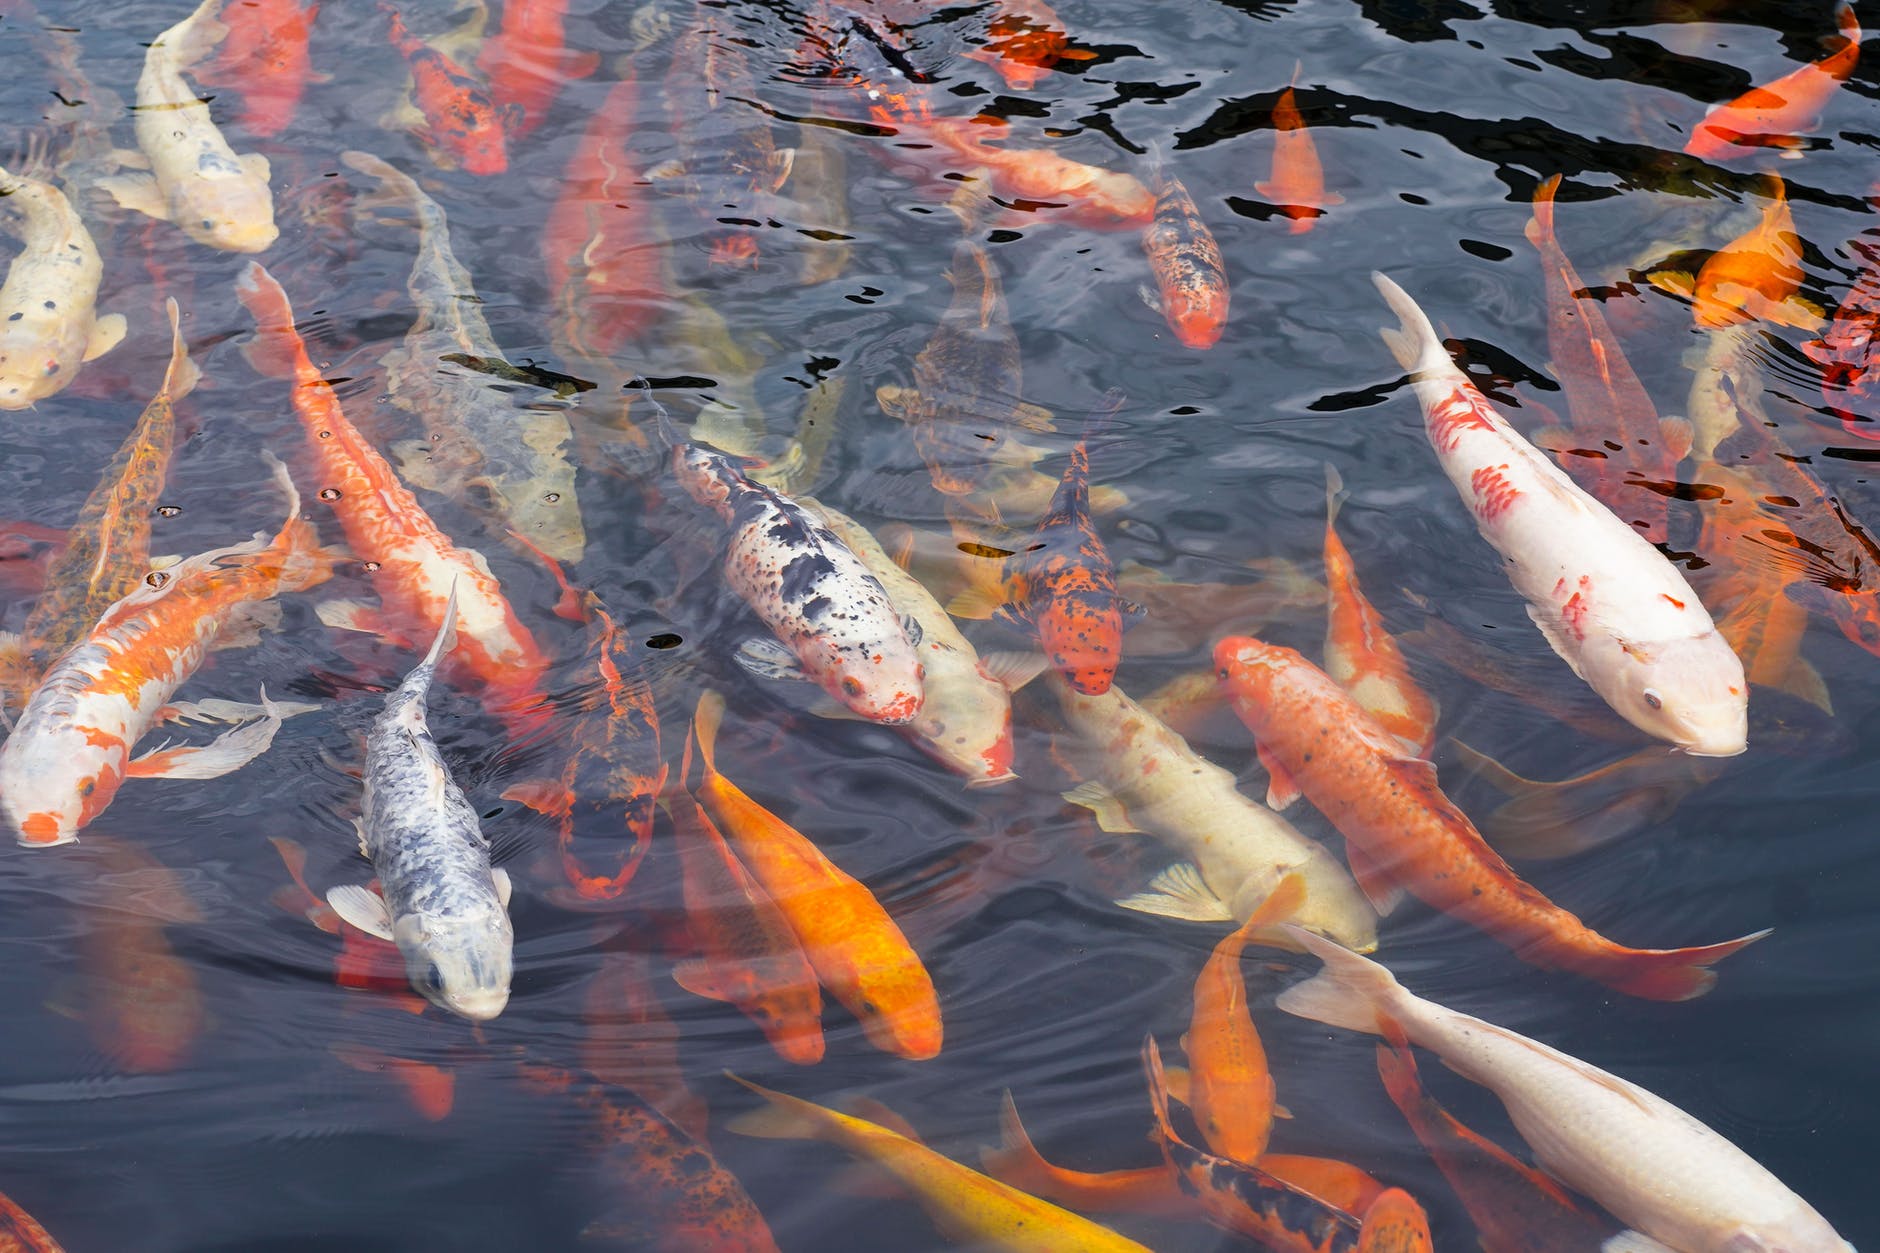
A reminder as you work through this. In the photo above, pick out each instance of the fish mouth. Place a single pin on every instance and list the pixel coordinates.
(478, 1006)
(992, 780)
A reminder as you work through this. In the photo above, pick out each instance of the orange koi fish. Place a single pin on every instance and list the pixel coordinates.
(461, 126)
(1774, 115)
(1628, 449)
(1850, 385)
(857, 951)
(20, 1232)
(1189, 273)
(665, 1191)
(1361, 654)
(265, 58)
(1754, 276)
(1516, 1208)
(1298, 182)
(601, 241)
(527, 62)
(631, 1043)
(430, 1090)
(413, 564)
(614, 770)
(71, 749)
(1403, 834)
(1023, 41)
(364, 963)
(749, 955)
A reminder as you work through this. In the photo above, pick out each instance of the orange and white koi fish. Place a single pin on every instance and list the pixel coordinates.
(528, 63)
(1612, 606)
(966, 1206)
(856, 949)
(1190, 277)
(1298, 182)
(1651, 1164)
(22, 1231)
(49, 321)
(71, 750)
(1753, 277)
(1403, 834)
(460, 124)
(196, 181)
(1361, 654)
(413, 564)
(1629, 450)
(1775, 115)
(1024, 39)
(749, 956)
(265, 58)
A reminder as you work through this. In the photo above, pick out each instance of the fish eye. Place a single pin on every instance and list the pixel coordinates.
(852, 685)
(1653, 700)
(208, 224)
(433, 980)
(157, 578)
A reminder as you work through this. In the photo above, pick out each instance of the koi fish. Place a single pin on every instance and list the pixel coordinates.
(430, 1090)
(749, 955)
(965, 721)
(1403, 834)
(1609, 603)
(1629, 448)
(70, 751)
(631, 1043)
(1850, 386)
(1360, 653)
(265, 58)
(485, 448)
(443, 904)
(458, 122)
(1753, 277)
(600, 243)
(1654, 1166)
(832, 620)
(527, 62)
(966, 1206)
(49, 321)
(852, 944)
(1023, 41)
(665, 1190)
(1773, 115)
(1516, 1209)
(415, 567)
(1146, 778)
(1298, 182)
(196, 181)
(22, 1231)
(1190, 276)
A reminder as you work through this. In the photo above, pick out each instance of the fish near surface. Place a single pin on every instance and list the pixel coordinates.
(505, 459)
(1753, 277)
(266, 58)
(49, 321)
(1298, 182)
(1190, 277)
(1145, 778)
(196, 180)
(1024, 39)
(1773, 115)
(528, 61)
(20, 1232)
(1402, 833)
(1651, 1164)
(1612, 606)
(443, 905)
(457, 120)
(966, 1206)
(1850, 381)
(70, 750)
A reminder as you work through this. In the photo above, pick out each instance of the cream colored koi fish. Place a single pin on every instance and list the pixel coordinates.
(196, 181)
(49, 322)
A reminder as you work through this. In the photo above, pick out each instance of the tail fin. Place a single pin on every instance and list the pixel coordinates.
(787, 1118)
(1334, 495)
(1158, 1092)
(276, 349)
(1348, 993)
(182, 375)
(1676, 974)
(1540, 230)
(705, 721)
(197, 36)
(304, 563)
(446, 631)
(1415, 343)
(1017, 1161)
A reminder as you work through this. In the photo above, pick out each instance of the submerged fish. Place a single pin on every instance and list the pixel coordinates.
(443, 904)
(1850, 381)
(1024, 39)
(455, 117)
(266, 59)
(528, 61)
(1190, 277)
(49, 321)
(1775, 114)
(22, 1231)
(1753, 277)
(1298, 182)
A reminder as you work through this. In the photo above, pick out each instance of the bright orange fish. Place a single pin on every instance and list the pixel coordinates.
(1190, 277)
(858, 952)
(1023, 41)
(631, 1043)
(265, 58)
(1753, 277)
(1395, 1223)
(527, 62)
(461, 124)
(1402, 833)
(1774, 115)
(748, 954)
(20, 1232)
(1298, 182)
(1362, 655)
(413, 563)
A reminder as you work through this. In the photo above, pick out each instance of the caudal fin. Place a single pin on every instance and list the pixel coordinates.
(705, 721)
(1677, 974)
(1348, 993)
(182, 375)
(1541, 229)
(276, 349)
(1415, 343)
(1017, 1161)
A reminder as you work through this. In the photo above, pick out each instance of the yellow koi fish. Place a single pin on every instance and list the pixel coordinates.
(49, 323)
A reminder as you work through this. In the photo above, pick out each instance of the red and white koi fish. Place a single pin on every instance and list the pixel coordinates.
(1610, 604)
(412, 562)
(528, 63)
(460, 124)
(1776, 114)
(1190, 277)
(265, 58)
(71, 751)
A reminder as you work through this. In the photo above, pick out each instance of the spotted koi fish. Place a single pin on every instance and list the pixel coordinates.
(528, 62)
(1850, 381)
(460, 124)
(265, 58)
(1612, 606)
(1776, 114)
(49, 321)
(70, 751)
(414, 565)
(1190, 277)
(1402, 833)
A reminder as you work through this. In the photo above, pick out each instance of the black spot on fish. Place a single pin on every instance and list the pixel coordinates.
(816, 608)
(52, 304)
(14, 317)
(802, 574)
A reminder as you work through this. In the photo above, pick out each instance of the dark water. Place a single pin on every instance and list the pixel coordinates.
(1435, 122)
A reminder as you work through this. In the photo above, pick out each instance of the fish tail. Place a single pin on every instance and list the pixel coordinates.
(1334, 495)
(786, 1118)
(1542, 226)
(705, 721)
(1678, 974)
(1415, 343)
(304, 563)
(275, 349)
(446, 631)
(1017, 1161)
(181, 377)
(1158, 1091)
(1348, 993)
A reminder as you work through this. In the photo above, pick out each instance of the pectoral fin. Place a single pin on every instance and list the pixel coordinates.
(229, 751)
(362, 907)
(256, 165)
(1110, 812)
(1180, 892)
(138, 193)
(1281, 791)
(504, 888)
(107, 333)
(695, 976)
(1377, 887)
(768, 659)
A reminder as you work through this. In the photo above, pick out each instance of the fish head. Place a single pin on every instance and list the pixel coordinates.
(1196, 317)
(52, 785)
(1689, 691)
(1249, 669)
(236, 215)
(887, 686)
(459, 962)
(969, 731)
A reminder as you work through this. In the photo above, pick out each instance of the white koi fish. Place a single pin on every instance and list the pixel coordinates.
(1653, 1165)
(1610, 604)
(49, 321)
(1147, 779)
(71, 750)
(195, 180)
(444, 906)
